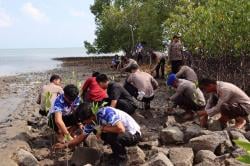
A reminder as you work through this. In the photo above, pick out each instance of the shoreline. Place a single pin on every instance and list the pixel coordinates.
(25, 129)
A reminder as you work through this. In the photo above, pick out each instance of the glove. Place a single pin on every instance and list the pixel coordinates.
(140, 95)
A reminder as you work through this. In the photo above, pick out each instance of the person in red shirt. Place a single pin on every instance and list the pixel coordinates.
(91, 91)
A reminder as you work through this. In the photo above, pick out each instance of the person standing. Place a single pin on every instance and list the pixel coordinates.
(175, 54)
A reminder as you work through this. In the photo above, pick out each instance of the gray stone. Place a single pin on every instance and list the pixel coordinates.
(210, 141)
(247, 135)
(25, 158)
(148, 145)
(163, 150)
(208, 163)
(135, 156)
(159, 160)
(192, 131)
(236, 135)
(214, 125)
(203, 155)
(181, 156)
(234, 162)
(238, 152)
(92, 142)
(171, 135)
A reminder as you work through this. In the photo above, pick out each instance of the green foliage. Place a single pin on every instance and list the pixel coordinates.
(246, 146)
(47, 97)
(213, 28)
(90, 48)
(208, 27)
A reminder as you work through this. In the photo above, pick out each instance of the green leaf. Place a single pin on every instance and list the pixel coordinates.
(244, 144)
(244, 159)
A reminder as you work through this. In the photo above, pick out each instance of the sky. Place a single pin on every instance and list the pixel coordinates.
(45, 23)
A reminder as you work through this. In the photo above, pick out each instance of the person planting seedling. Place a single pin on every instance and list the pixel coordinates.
(113, 126)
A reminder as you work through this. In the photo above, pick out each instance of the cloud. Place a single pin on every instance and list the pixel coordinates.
(77, 13)
(5, 19)
(34, 12)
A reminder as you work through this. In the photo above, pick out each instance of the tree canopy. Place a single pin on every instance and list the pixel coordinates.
(209, 27)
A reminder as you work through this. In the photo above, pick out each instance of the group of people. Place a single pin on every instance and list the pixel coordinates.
(73, 110)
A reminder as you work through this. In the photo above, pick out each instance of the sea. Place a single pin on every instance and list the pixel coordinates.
(18, 61)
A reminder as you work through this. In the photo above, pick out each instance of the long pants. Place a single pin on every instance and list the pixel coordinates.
(175, 66)
(187, 103)
(139, 58)
(118, 142)
(69, 120)
(124, 105)
(133, 91)
(160, 65)
(233, 111)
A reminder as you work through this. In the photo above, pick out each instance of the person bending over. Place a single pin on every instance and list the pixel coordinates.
(113, 126)
(91, 91)
(160, 59)
(227, 99)
(61, 115)
(53, 89)
(141, 85)
(187, 96)
(118, 97)
(128, 62)
(187, 73)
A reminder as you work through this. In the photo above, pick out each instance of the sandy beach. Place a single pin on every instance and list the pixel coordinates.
(22, 127)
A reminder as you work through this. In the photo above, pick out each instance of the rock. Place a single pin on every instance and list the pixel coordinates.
(84, 155)
(135, 156)
(41, 153)
(204, 155)
(170, 121)
(171, 135)
(25, 158)
(93, 142)
(159, 160)
(208, 163)
(192, 131)
(148, 145)
(181, 156)
(236, 135)
(210, 142)
(238, 152)
(163, 150)
(247, 135)
(214, 125)
(234, 162)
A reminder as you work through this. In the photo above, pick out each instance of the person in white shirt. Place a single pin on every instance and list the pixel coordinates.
(187, 96)
(113, 126)
(232, 102)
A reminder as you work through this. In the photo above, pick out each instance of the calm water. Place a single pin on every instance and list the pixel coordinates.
(16, 61)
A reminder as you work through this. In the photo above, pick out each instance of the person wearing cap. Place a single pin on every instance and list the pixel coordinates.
(127, 63)
(228, 100)
(187, 95)
(187, 73)
(141, 85)
(175, 54)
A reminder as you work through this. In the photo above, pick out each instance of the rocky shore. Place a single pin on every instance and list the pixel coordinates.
(27, 140)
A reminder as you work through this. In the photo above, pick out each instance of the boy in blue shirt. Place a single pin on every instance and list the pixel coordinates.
(113, 126)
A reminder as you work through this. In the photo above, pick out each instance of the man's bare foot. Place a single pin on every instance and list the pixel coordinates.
(240, 123)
